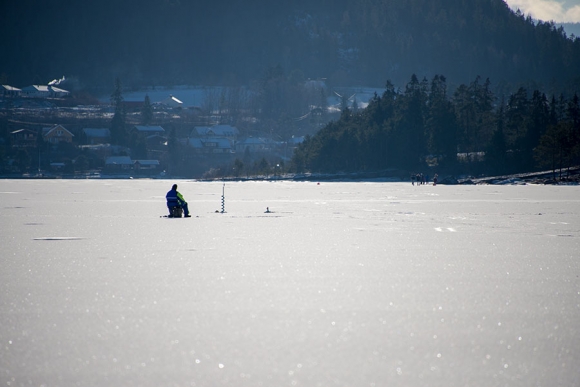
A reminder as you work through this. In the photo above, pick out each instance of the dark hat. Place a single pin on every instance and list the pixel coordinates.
(174, 186)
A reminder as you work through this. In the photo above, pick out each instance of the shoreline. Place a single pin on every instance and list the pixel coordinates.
(569, 176)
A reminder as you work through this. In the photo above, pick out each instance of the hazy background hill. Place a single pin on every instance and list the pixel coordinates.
(365, 42)
(571, 28)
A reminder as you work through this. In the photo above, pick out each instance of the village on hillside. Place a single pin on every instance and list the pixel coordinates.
(48, 132)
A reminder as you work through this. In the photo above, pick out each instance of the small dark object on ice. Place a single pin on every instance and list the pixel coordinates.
(175, 212)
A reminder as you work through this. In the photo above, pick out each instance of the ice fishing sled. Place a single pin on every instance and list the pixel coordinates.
(176, 212)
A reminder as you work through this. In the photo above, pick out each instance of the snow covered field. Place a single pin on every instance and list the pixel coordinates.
(343, 284)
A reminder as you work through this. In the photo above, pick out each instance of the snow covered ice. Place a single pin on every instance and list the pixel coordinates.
(341, 284)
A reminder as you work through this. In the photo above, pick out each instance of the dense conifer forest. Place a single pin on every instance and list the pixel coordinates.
(366, 42)
(467, 132)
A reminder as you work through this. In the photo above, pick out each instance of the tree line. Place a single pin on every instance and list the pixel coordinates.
(470, 130)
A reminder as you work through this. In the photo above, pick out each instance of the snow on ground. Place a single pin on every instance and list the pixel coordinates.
(342, 284)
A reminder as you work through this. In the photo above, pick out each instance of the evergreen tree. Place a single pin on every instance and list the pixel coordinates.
(343, 101)
(573, 117)
(487, 119)
(138, 146)
(118, 130)
(238, 167)
(23, 160)
(386, 120)
(147, 111)
(553, 148)
(441, 125)
(272, 92)
(495, 155)
(516, 123)
(410, 125)
(516, 116)
(537, 125)
(465, 112)
(474, 109)
(354, 106)
(262, 167)
(81, 163)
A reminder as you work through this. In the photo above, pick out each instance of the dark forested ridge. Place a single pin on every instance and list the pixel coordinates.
(366, 42)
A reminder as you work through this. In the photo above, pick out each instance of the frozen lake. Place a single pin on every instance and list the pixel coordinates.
(343, 284)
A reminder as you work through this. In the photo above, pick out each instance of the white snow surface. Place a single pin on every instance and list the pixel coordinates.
(342, 284)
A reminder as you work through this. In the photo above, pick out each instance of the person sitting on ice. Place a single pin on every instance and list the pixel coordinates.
(175, 199)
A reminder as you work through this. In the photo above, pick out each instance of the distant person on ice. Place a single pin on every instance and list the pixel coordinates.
(175, 199)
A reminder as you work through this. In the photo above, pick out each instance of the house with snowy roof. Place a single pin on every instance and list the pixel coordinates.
(226, 131)
(210, 145)
(43, 91)
(24, 138)
(253, 144)
(9, 91)
(213, 139)
(93, 136)
(217, 145)
(57, 134)
(146, 165)
(118, 163)
(125, 164)
(146, 130)
(195, 143)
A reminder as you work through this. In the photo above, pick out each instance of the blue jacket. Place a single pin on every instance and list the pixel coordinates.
(174, 198)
